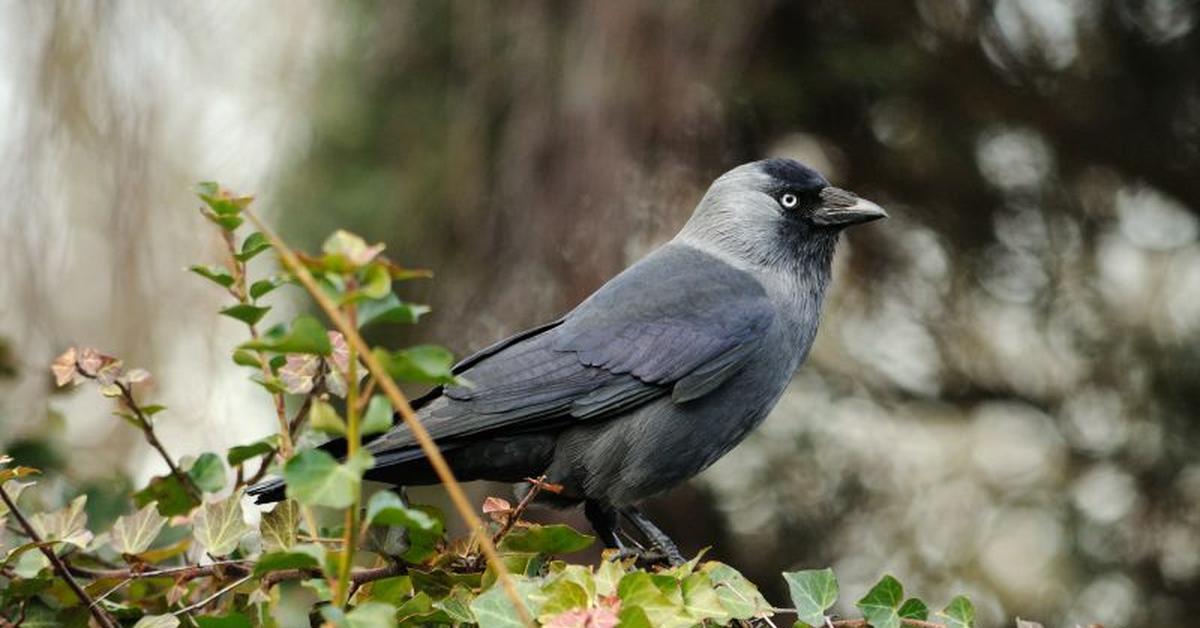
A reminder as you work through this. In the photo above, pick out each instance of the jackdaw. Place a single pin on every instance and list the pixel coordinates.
(657, 374)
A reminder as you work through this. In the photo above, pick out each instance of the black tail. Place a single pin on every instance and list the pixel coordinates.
(267, 492)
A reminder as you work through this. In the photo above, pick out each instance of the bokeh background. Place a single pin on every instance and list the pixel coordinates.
(1003, 397)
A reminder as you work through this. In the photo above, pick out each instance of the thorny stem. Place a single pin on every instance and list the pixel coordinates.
(60, 568)
(400, 403)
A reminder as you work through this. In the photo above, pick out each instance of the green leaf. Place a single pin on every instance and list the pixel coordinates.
(389, 309)
(378, 417)
(423, 525)
(133, 534)
(376, 282)
(561, 596)
(278, 527)
(232, 620)
(426, 364)
(548, 539)
(216, 274)
(220, 200)
(372, 615)
(248, 314)
(345, 251)
(242, 357)
(322, 417)
(170, 495)
(959, 613)
(265, 286)
(813, 592)
(157, 621)
(881, 605)
(738, 595)
(228, 223)
(262, 447)
(68, 524)
(207, 473)
(913, 608)
(633, 617)
(219, 525)
(254, 244)
(700, 599)
(303, 556)
(493, 609)
(307, 335)
(313, 477)
(637, 589)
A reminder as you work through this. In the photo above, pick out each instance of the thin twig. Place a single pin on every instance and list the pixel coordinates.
(98, 613)
(205, 601)
(904, 621)
(515, 515)
(401, 405)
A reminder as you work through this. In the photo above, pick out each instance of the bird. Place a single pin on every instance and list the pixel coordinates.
(657, 374)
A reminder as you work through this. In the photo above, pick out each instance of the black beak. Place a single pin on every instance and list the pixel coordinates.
(843, 209)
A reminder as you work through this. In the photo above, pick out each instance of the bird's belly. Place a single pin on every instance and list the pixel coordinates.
(662, 444)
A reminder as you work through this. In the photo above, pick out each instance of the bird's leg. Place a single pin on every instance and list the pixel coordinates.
(655, 536)
(604, 522)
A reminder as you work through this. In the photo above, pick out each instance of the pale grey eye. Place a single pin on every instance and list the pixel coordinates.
(788, 200)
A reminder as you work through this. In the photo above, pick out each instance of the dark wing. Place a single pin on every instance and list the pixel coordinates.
(680, 322)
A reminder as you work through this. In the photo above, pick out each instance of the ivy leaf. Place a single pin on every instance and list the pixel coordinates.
(207, 473)
(313, 477)
(254, 244)
(959, 613)
(219, 525)
(242, 357)
(562, 596)
(700, 599)
(376, 282)
(914, 608)
(813, 592)
(232, 620)
(157, 621)
(265, 286)
(738, 595)
(216, 274)
(68, 524)
(298, 374)
(548, 539)
(637, 589)
(278, 527)
(170, 495)
(307, 335)
(423, 525)
(303, 556)
(262, 447)
(378, 417)
(365, 615)
(389, 309)
(426, 364)
(133, 534)
(881, 605)
(248, 314)
(492, 608)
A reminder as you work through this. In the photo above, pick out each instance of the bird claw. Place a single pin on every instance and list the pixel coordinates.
(648, 557)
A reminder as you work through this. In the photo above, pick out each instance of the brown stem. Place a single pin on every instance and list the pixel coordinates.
(241, 568)
(60, 568)
(862, 623)
(400, 404)
(152, 438)
(515, 516)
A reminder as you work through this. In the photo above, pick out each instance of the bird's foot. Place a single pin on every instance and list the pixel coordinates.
(652, 557)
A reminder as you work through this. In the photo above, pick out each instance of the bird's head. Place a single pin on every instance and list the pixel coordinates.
(775, 212)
